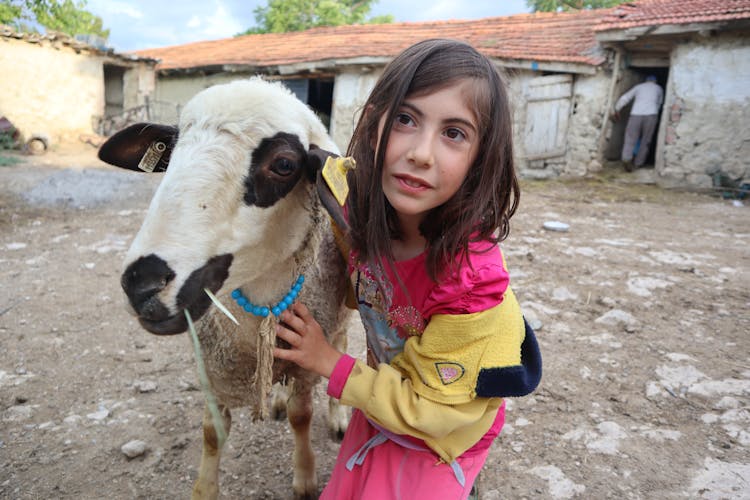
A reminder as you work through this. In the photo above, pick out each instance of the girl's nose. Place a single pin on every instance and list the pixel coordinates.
(421, 151)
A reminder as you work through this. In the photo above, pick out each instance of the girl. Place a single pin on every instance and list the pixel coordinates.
(431, 196)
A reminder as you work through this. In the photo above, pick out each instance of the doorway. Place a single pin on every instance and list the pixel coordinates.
(317, 93)
(114, 94)
(632, 77)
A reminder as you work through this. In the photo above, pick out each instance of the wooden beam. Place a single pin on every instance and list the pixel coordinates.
(556, 67)
(630, 34)
(613, 80)
(623, 35)
(648, 62)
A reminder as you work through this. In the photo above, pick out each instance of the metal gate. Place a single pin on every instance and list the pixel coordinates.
(163, 112)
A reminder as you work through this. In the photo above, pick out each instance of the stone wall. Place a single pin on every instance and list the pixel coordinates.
(587, 116)
(584, 127)
(707, 113)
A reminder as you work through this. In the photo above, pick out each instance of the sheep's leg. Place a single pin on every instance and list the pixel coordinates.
(279, 397)
(299, 410)
(207, 484)
(338, 414)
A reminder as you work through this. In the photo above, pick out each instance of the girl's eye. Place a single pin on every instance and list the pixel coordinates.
(404, 119)
(455, 134)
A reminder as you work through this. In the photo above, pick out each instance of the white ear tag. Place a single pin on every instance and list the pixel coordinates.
(152, 156)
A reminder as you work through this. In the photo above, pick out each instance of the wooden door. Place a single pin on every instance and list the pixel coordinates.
(547, 112)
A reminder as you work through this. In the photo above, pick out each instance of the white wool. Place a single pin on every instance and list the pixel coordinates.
(198, 212)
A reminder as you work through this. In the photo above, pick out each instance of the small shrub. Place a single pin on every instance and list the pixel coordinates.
(8, 135)
(6, 161)
(7, 141)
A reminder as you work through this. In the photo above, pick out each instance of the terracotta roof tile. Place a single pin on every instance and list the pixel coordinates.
(659, 12)
(543, 37)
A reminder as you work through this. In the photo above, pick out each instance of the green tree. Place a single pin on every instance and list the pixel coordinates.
(281, 16)
(66, 16)
(13, 13)
(568, 5)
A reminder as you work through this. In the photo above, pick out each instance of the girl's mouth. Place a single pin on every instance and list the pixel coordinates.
(412, 183)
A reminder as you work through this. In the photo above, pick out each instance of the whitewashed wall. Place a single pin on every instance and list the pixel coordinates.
(706, 119)
(139, 84)
(350, 91)
(180, 88)
(50, 88)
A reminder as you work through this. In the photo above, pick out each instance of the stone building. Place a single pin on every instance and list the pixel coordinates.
(553, 62)
(565, 72)
(55, 86)
(700, 52)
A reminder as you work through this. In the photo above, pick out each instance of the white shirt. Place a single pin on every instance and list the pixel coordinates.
(648, 97)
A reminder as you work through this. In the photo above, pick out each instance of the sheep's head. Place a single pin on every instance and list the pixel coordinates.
(234, 201)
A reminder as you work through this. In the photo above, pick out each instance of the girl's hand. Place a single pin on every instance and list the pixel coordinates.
(309, 347)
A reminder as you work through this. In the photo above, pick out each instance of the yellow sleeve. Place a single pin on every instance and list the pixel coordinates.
(429, 390)
(444, 363)
(391, 401)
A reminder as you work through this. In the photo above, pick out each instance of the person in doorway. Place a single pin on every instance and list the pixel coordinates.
(431, 196)
(644, 115)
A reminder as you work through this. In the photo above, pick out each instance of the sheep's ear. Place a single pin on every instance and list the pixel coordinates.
(316, 159)
(329, 202)
(142, 147)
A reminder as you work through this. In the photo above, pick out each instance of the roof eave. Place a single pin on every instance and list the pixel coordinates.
(77, 46)
(368, 63)
(283, 68)
(553, 66)
(634, 32)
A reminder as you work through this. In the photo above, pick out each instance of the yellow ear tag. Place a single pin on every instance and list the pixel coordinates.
(334, 173)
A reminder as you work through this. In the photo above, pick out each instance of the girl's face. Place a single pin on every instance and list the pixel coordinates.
(433, 143)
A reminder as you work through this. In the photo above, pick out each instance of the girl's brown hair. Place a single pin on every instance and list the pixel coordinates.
(488, 197)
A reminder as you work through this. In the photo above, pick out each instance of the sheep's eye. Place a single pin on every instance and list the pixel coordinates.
(283, 166)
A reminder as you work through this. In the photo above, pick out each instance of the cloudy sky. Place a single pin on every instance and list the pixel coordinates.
(141, 24)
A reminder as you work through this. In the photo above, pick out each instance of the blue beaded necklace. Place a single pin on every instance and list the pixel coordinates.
(264, 311)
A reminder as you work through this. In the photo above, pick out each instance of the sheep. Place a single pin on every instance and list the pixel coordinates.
(237, 208)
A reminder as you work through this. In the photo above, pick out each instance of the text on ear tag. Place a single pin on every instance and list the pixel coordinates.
(334, 173)
(152, 156)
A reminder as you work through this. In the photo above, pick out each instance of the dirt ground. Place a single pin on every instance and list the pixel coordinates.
(642, 309)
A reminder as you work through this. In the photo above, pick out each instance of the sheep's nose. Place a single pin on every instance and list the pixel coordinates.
(142, 281)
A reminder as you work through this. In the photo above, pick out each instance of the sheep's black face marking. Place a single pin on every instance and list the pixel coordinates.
(278, 163)
(145, 278)
(142, 281)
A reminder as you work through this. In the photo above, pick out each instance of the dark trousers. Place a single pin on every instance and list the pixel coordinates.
(639, 127)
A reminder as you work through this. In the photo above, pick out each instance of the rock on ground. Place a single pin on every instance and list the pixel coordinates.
(644, 305)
